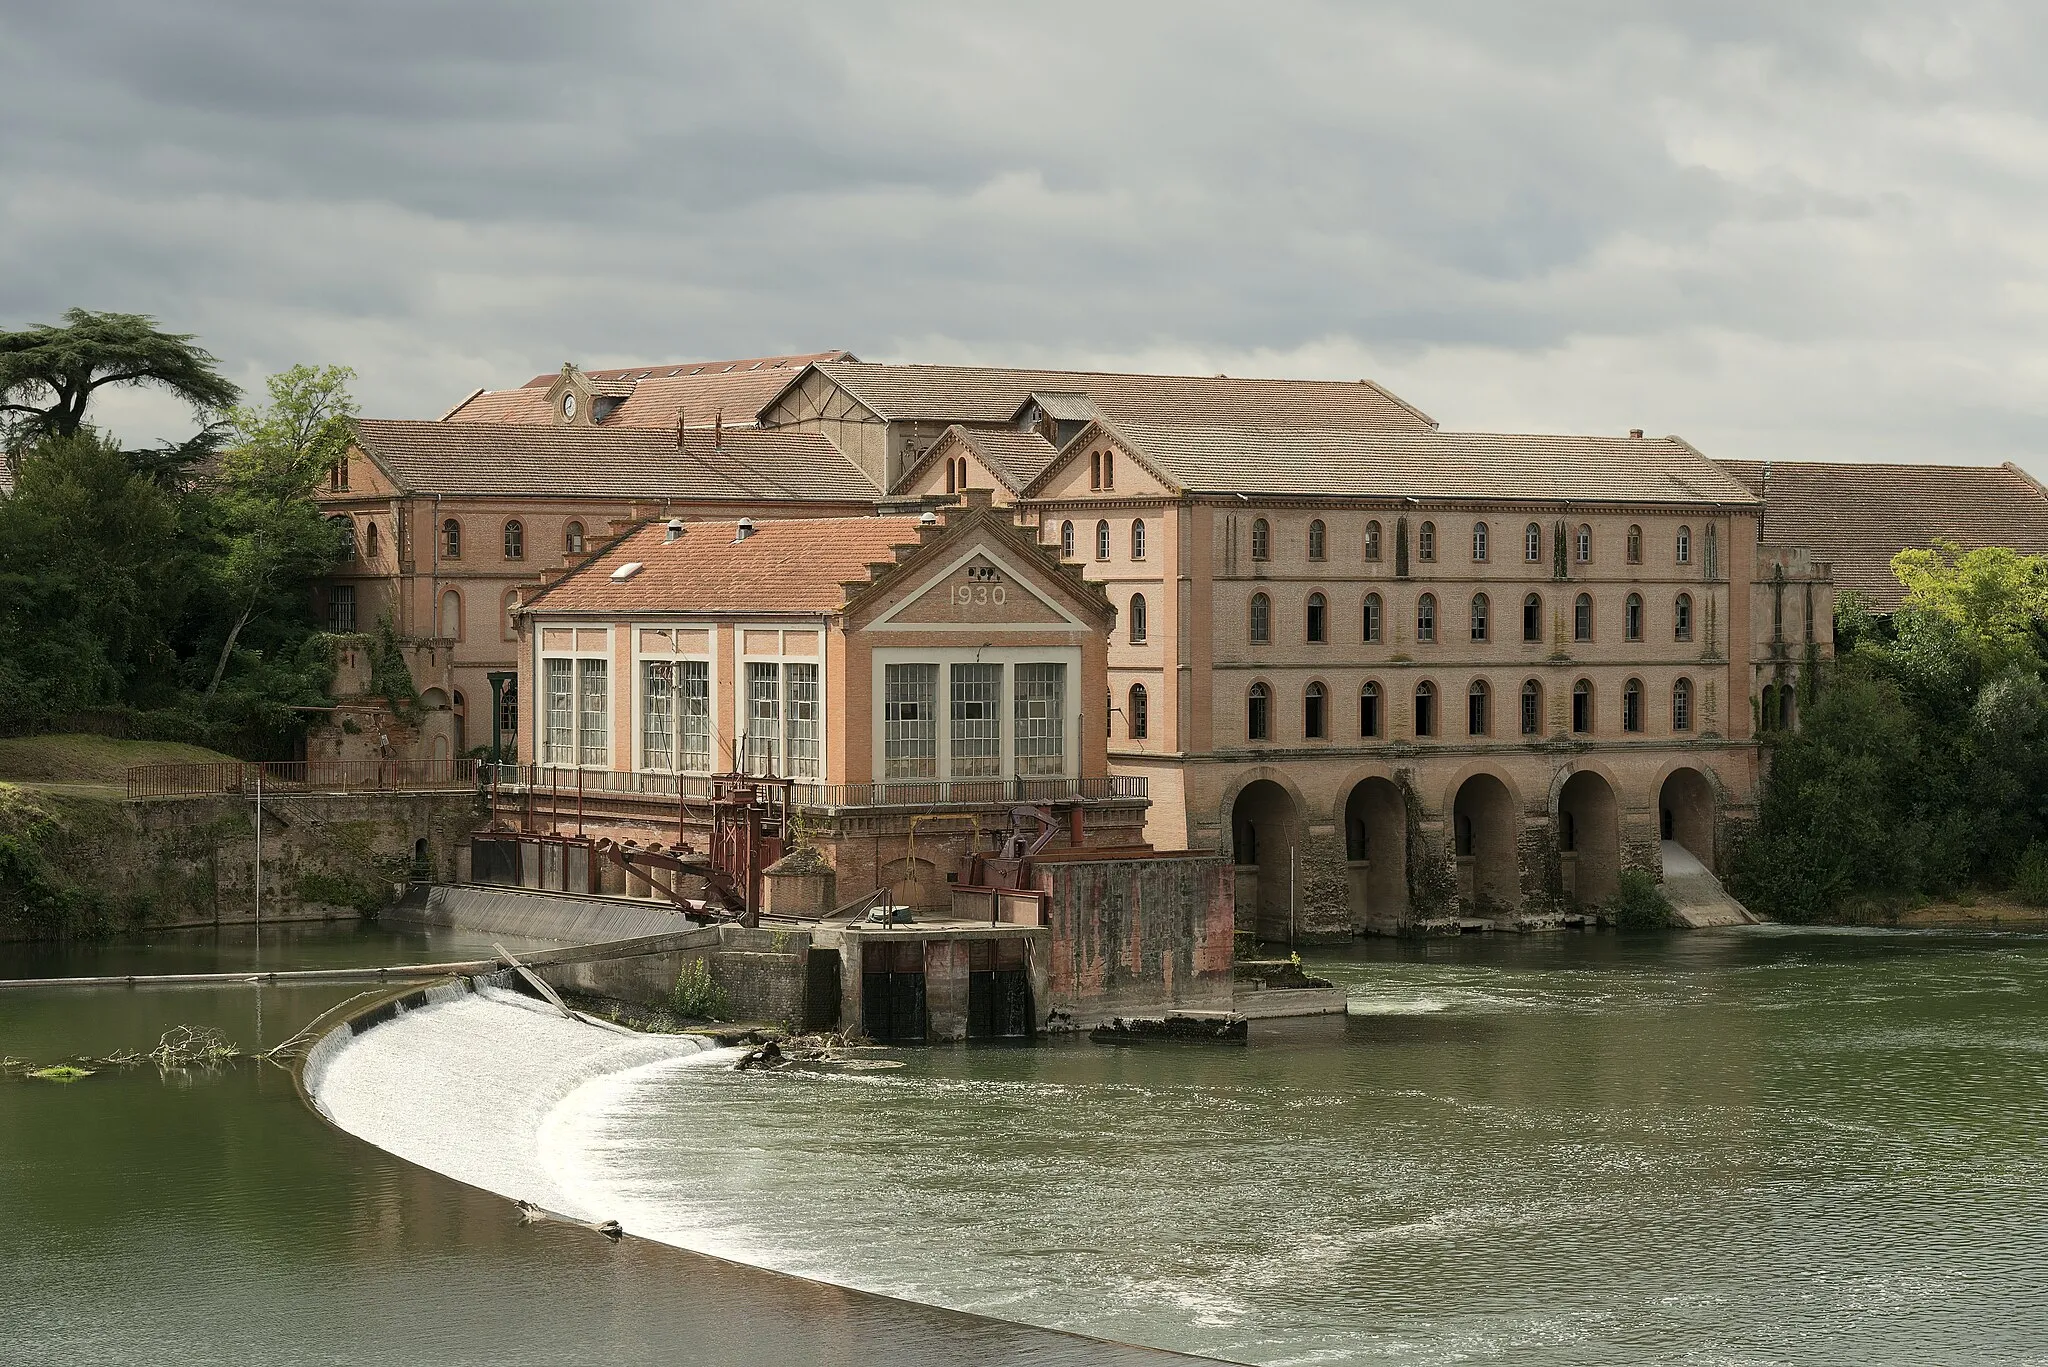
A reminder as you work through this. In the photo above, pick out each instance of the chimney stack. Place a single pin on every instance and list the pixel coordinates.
(1635, 431)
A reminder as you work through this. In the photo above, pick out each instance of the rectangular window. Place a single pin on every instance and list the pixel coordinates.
(561, 737)
(594, 715)
(977, 722)
(800, 719)
(693, 716)
(657, 714)
(764, 719)
(341, 608)
(1040, 728)
(910, 721)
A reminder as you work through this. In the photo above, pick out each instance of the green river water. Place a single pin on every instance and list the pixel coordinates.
(1751, 1147)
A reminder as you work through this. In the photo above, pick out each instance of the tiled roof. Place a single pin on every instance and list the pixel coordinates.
(797, 565)
(1857, 517)
(1433, 465)
(1016, 458)
(654, 393)
(1065, 407)
(992, 394)
(541, 459)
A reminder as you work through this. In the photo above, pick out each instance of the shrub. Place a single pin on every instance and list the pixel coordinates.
(697, 995)
(2031, 881)
(1640, 905)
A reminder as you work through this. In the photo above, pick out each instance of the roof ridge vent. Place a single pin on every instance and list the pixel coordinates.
(675, 530)
(742, 529)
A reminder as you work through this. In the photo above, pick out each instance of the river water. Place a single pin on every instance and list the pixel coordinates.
(1760, 1146)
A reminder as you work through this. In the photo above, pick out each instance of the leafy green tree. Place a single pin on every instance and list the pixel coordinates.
(273, 540)
(1995, 598)
(48, 374)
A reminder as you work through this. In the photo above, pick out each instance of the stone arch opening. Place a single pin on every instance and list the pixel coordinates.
(1685, 814)
(1589, 838)
(1483, 839)
(915, 882)
(1376, 853)
(1265, 831)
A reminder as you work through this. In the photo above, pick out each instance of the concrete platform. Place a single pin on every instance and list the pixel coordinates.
(1279, 1002)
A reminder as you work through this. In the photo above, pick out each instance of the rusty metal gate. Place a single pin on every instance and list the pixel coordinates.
(998, 990)
(892, 1005)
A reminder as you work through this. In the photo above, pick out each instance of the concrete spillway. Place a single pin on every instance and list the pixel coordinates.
(466, 1084)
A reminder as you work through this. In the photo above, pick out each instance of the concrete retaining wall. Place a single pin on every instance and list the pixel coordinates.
(534, 915)
(1137, 935)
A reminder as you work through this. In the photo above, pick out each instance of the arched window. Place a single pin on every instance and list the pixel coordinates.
(1258, 713)
(1478, 709)
(1479, 541)
(952, 477)
(1582, 706)
(1582, 544)
(515, 540)
(1067, 540)
(1632, 705)
(347, 528)
(1138, 717)
(1582, 618)
(1681, 705)
(572, 538)
(1138, 539)
(1137, 619)
(1372, 618)
(1109, 469)
(1318, 619)
(1262, 539)
(1425, 709)
(1095, 469)
(451, 540)
(1425, 617)
(1632, 618)
(1532, 708)
(450, 624)
(370, 540)
(1318, 539)
(1479, 606)
(1532, 617)
(1369, 722)
(1102, 541)
(1372, 540)
(1532, 543)
(1635, 544)
(1262, 619)
(1425, 542)
(1313, 723)
(1681, 618)
(1682, 549)
(511, 627)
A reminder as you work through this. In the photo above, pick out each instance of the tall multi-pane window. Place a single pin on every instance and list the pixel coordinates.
(572, 538)
(977, 721)
(1582, 618)
(1372, 617)
(1067, 540)
(1040, 720)
(1425, 709)
(1681, 618)
(1318, 619)
(515, 540)
(1425, 541)
(657, 716)
(1318, 539)
(1632, 618)
(1532, 543)
(1372, 540)
(1582, 545)
(1479, 541)
(341, 608)
(1137, 619)
(1713, 557)
(1369, 722)
(560, 745)
(1682, 548)
(693, 716)
(451, 540)
(910, 721)
(764, 718)
(1582, 706)
(1258, 713)
(1314, 724)
(800, 719)
(1262, 619)
(1262, 539)
(1635, 544)
(1102, 541)
(593, 712)
(347, 528)
(1138, 539)
(1632, 705)
(1532, 708)
(1681, 705)
(1532, 617)
(1425, 617)
(1479, 608)
(1138, 716)
(1478, 709)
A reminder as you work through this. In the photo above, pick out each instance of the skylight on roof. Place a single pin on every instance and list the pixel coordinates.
(626, 571)
(673, 373)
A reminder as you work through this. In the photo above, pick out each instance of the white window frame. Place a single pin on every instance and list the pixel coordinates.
(541, 656)
(1009, 657)
(641, 659)
(740, 703)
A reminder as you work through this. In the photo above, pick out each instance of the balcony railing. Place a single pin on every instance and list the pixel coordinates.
(302, 776)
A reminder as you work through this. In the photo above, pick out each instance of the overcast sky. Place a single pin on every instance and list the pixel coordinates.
(1806, 230)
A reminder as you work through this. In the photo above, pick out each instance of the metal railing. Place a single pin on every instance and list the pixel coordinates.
(302, 776)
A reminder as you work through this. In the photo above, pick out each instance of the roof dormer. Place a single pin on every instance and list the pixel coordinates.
(577, 399)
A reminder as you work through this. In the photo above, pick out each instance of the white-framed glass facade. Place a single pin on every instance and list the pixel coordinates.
(593, 692)
(1040, 723)
(559, 746)
(977, 720)
(910, 721)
